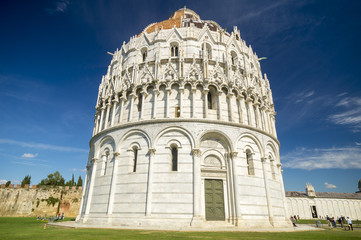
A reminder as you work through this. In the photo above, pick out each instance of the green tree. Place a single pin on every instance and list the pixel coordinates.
(26, 180)
(72, 180)
(68, 183)
(80, 182)
(7, 183)
(53, 179)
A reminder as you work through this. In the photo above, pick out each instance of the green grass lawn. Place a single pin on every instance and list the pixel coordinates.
(313, 221)
(30, 228)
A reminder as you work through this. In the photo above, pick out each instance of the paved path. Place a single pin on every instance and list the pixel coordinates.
(300, 227)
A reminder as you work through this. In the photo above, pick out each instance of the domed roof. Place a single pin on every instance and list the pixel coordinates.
(182, 18)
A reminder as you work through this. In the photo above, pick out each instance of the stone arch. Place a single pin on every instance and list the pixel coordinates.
(213, 153)
(272, 150)
(215, 86)
(179, 129)
(134, 132)
(224, 140)
(173, 142)
(106, 142)
(256, 141)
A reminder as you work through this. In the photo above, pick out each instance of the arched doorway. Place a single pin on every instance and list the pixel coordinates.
(214, 179)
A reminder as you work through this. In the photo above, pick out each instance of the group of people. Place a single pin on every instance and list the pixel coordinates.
(60, 217)
(332, 222)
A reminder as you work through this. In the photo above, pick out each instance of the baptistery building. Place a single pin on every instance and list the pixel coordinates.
(184, 133)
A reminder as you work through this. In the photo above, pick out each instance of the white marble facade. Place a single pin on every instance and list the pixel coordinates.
(311, 204)
(180, 107)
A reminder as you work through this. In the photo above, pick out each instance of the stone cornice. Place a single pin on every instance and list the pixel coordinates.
(175, 120)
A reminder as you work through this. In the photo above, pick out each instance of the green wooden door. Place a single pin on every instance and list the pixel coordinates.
(214, 200)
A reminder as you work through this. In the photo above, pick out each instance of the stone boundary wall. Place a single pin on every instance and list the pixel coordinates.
(37, 201)
(324, 206)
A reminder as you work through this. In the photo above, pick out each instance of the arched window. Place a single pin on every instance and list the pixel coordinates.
(140, 102)
(174, 50)
(144, 54)
(208, 51)
(211, 98)
(250, 165)
(177, 111)
(234, 57)
(174, 151)
(135, 158)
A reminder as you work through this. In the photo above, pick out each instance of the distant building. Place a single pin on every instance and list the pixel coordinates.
(311, 204)
(184, 133)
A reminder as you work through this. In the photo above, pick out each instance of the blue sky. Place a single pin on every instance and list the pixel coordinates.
(53, 54)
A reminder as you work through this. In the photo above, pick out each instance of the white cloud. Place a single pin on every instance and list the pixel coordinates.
(41, 146)
(79, 170)
(358, 144)
(351, 114)
(329, 185)
(309, 159)
(29, 155)
(303, 96)
(261, 11)
(3, 181)
(59, 7)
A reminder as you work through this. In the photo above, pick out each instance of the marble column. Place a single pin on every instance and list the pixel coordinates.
(148, 210)
(91, 185)
(230, 107)
(239, 110)
(205, 95)
(95, 123)
(142, 105)
(269, 122)
(132, 98)
(102, 117)
(267, 190)
(237, 200)
(181, 93)
(167, 90)
(115, 103)
(219, 115)
(85, 185)
(122, 101)
(107, 114)
(156, 93)
(250, 112)
(243, 110)
(263, 112)
(258, 117)
(273, 120)
(194, 91)
(196, 182)
(113, 183)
